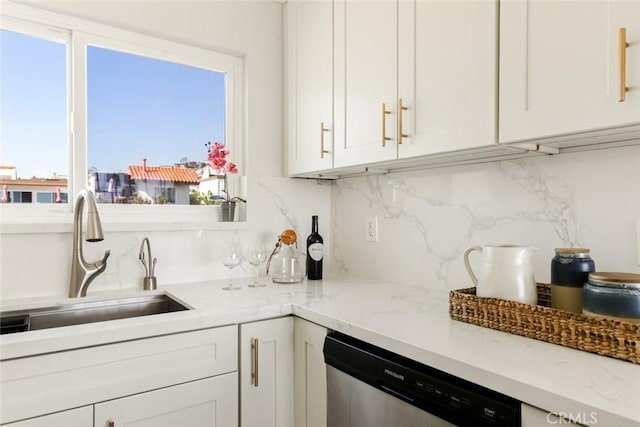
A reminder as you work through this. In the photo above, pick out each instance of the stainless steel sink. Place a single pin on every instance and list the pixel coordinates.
(81, 312)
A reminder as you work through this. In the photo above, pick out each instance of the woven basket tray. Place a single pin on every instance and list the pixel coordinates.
(607, 337)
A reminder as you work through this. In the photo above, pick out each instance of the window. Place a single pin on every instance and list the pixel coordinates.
(127, 115)
(44, 197)
(20, 197)
(148, 123)
(33, 108)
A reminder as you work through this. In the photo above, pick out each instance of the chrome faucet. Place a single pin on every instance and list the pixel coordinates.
(149, 282)
(83, 272)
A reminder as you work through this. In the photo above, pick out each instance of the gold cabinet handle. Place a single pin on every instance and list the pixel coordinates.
(322, 131)
(401, 108)
(385, 138)
(622, 56)
(254, 362)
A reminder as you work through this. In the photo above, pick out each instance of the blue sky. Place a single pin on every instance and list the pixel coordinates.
(32, 105)
(137, 108)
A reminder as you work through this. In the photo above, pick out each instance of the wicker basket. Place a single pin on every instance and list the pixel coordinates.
(607, 337)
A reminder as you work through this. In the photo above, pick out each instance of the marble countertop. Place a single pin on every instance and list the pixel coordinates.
(410, 320)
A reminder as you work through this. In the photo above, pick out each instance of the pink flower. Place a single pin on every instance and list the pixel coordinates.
(231, 167)
(217, 163)
(217, 158)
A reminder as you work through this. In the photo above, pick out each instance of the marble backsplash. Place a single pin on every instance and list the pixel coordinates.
(426, 219)
(38, 264)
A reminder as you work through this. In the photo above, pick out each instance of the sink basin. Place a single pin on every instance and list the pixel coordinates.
(81, 312)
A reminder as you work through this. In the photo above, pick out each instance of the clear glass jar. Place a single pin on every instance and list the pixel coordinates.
(286, 263)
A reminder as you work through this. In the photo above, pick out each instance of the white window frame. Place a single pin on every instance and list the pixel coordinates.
(78, 34)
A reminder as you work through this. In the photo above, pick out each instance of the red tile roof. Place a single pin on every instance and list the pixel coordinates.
(163, 173)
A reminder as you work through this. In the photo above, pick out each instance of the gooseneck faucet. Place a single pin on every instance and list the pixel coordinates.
(149, 282)
(83, 272)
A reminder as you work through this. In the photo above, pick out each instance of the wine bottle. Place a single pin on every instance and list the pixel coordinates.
(314, 251)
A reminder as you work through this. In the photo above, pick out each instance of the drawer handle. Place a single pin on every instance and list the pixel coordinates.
(322, 131)
(401, 108)
(385, 138)
(254, 362)
(111, 423)
(622, 56)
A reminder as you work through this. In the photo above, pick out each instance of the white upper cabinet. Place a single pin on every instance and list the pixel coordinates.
(437, 59)
(447, 75)
(310, 85)
(366, 78)
(562, 67)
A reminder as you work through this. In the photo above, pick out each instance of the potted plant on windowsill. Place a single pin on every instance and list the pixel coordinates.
(217, 160)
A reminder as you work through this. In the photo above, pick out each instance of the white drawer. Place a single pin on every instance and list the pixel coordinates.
(37, 385)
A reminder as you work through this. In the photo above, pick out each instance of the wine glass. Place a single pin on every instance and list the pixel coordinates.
(231, 258)
(256, 254)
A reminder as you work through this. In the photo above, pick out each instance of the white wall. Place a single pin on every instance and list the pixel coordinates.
(428, 218)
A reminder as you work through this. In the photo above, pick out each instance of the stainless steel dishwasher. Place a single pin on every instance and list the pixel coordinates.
(368, 386)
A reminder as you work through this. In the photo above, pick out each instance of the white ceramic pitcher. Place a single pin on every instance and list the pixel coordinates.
(506, 272)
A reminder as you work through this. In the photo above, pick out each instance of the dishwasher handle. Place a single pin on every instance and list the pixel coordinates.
(397, 394)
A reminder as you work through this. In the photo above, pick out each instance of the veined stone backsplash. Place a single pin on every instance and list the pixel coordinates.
(426, 219)
(34, 265)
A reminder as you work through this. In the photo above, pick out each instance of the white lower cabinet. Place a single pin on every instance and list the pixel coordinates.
(211, 402)
(534, 417)
(310, 375)
(266, 373)
(79, 417)
(179, 379)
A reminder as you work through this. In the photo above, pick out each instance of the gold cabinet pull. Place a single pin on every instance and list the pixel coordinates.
(322, 131)
(254, 362)
(385, 138)
(622, 56)
(401, 108)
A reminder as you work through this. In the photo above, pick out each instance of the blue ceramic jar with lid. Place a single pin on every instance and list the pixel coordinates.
(614, 295)
(570, 269)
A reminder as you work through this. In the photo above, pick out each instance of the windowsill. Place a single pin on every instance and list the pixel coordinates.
(31, 220)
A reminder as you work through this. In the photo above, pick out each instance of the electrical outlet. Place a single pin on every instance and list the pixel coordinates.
(371, 231)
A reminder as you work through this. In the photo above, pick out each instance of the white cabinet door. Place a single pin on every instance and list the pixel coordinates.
(560, 67)
(84, 376)
(310, 85)
(447, 75)
(310, 402)
(534, 417)
(266, 373)
(80, 417)
(366, 67)
(204, 403)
